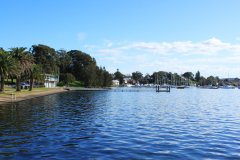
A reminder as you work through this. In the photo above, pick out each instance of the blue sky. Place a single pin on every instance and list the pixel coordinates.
(132, 35)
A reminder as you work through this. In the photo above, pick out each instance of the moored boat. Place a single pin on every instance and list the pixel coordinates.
(180, 87)
(228, 87)
(213, 87)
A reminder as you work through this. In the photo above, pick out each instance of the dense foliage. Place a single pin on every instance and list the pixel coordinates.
(31, 65)
(119, 76)
(84, 68)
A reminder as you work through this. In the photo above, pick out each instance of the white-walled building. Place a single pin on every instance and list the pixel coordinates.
(115, 82)
(51, 81)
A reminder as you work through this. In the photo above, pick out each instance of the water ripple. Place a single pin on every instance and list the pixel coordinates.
(186, 124)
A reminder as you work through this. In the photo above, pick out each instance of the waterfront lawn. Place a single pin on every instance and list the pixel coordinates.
(9, 91)
(76, 84)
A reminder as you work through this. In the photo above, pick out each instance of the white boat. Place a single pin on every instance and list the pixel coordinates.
(210, 87)
(128, 85)
(180, 87)
(213, 87)
(228, 87)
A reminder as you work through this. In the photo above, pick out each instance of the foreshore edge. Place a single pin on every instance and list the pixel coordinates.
(9, 100)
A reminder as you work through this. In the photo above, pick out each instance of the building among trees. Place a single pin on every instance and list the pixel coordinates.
(51, 80)
(115, 82)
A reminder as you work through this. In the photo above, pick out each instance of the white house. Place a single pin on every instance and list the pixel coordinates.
(115, 82)
(51, 80)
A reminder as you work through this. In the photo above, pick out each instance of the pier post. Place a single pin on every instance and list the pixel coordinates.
(13, 96)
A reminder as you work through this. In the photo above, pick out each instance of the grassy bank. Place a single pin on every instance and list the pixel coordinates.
(10, 94)
(9, 90)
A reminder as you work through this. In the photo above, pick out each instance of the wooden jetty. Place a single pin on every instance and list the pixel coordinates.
(163, 88)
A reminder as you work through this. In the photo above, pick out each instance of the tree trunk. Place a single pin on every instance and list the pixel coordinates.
(31, 83)
(2, 84)
(18, 87)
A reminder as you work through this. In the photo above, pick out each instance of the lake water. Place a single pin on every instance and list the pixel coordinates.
(183, 124)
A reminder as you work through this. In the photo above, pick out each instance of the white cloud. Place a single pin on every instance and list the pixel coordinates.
(212, 56)
(210, 46)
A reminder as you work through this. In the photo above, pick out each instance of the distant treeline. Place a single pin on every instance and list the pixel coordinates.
(163, 77)
(32, 64)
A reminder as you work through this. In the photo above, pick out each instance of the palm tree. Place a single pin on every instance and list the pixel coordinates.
(25, 61)
(7, 66)
(36, 73)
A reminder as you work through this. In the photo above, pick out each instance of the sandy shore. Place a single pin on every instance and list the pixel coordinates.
(24, 95)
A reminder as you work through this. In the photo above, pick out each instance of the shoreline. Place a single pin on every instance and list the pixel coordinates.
(85, 89)
(13, 97)
(21, 96)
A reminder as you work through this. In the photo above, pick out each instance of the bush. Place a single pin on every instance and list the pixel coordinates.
(76, 84)
(60, 84)
(67, 78)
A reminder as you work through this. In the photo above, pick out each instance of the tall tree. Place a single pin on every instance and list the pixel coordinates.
(188, 76)
(67, 78)
(65, 61)
(7, 66)
(197, 76)
(25, 61)
(90, 75)
(35, 73)
(107, 78)
(83, 67)
(47, 57)
(146, 79)
(100, 77)
(118, 76)
(211, 81)
(137, 76)
(177, 79)
(160, 77)
(202, 81)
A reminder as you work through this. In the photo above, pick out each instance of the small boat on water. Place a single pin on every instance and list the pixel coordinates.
(228, 87)
(213, 87)
(180, 87)
(128, 85)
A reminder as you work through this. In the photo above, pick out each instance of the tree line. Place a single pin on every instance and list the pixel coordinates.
(32, 64)
(163, 77)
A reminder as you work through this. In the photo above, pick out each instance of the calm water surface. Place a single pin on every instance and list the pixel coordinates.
(183, 124)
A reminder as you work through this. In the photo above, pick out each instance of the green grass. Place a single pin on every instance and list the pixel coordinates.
(76, 84)
(9, 91)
